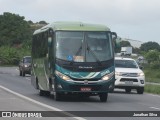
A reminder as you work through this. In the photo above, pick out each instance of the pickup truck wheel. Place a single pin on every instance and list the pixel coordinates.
(140, 90)
(20, 73)
(103, 97)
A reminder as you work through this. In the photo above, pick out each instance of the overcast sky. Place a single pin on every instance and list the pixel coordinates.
(133, 19)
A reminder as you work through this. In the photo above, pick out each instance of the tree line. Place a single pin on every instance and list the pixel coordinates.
(15, 37)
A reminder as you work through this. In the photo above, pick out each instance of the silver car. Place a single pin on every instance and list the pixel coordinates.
(25, 66)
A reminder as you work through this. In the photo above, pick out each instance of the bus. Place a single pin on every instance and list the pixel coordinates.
(73, 58)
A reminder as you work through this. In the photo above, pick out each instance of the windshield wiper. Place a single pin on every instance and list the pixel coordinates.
(94, 55)
(78, 51)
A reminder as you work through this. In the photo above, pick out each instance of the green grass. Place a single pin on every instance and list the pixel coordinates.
(155, 89)
(152, 75)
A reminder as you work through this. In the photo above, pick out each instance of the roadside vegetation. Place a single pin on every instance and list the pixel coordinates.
(155, 89)
(15, 37)
(152, 75)
(152, 70)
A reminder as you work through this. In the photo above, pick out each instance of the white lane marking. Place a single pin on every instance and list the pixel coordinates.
(39, 103)
(17, 69)
(154, 95)
(28, 78)
(155, 108)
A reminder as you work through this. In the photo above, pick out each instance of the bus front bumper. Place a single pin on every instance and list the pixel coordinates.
(83, 86)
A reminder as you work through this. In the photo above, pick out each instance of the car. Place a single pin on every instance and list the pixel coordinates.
(129, 75)
(25, 66)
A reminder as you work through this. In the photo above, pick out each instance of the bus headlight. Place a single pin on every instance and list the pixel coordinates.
(25, 65)
(108, 76)
(62, 76)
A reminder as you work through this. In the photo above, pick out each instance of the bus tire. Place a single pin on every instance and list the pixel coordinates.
(20, 73)
(47, 93)
(37, 86)
(103, 97)
(41, 92)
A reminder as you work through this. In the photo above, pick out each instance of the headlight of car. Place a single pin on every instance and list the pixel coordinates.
(25, 65)
(62, 76)
(108, 76)
(141, 74)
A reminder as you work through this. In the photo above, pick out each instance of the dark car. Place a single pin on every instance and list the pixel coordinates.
(25, 66)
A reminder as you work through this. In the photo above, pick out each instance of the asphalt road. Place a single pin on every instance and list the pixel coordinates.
(117, 101)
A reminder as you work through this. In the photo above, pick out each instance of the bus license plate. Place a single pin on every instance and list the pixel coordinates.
(85, 89)
(129, 82)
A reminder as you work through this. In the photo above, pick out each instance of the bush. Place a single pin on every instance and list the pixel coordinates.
(8, 55)
(155, 65)
(152, 89)
(12, 55)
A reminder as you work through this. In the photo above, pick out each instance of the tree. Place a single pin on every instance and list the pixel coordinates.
(153, 58)
(125, 43)
(122, 44)
(30, 22)
(43, 22)
(13, 29)
(136, 50)
(150, 46)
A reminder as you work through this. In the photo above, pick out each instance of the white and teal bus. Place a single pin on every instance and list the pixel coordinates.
(73, 58)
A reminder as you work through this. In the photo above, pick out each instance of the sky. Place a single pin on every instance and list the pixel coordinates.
(132, 19)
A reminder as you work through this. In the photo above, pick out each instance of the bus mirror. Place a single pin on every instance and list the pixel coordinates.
(115, 40)
(49, 41)
(117, 43)
(114, 36)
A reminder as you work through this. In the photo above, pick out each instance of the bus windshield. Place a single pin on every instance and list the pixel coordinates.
(83, 46)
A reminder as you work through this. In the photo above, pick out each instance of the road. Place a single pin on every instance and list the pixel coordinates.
(117, 101)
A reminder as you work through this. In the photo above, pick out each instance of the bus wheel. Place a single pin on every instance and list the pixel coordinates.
(47, 93)
(41, 92)
(57, 96)
(44, 93)
(103, 97)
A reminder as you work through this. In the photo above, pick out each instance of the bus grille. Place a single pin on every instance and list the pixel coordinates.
(94, 79)
(128, 79)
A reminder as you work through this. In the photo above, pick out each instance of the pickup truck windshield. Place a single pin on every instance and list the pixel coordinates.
(125, 64)
(27, 60)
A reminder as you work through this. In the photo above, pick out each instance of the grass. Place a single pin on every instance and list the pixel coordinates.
(155, 89)
(152, 75)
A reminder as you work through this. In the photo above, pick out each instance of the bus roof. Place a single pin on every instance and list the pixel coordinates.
(73, 26)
